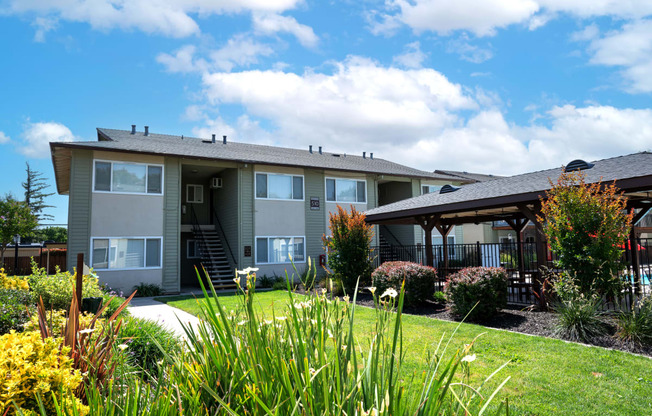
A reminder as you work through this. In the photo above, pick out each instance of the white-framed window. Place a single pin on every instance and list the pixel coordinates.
(278, 250)
(430, 189)
(193, 249)
(194, 194)
(126, 253)
(279, 186)
(346, 190)
(127, 177)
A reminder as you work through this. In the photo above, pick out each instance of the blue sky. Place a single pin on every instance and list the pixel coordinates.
(493, 86)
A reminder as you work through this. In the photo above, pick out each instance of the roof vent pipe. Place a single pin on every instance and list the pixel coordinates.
(371, 155)
(310, 149)
(223, 139)
(146, 130)
(133, 129)
(364, 155)
(213, 139)
(320, 150)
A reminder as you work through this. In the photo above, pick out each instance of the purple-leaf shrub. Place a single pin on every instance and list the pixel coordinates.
(486, 286)
(419, 280)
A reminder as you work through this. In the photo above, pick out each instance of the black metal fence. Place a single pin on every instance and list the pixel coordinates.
(524, 279)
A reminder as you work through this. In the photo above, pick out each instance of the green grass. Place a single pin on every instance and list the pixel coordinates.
(549, 377)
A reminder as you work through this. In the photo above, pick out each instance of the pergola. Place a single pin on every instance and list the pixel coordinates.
(517, 201)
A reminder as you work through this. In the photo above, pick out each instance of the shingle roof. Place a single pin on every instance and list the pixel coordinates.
(528, 185)
(163, 144)
(475, 177)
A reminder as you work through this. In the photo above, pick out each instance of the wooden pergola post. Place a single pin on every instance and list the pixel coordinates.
(444, 230)
(428, 224)
(540, 242)
(518, 225)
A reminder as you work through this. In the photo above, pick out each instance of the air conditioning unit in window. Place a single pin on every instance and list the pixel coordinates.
(216, 183)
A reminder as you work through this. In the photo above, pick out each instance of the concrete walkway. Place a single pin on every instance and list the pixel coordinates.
(166, 315)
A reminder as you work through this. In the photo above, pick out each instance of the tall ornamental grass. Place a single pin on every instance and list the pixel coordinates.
(306, 361)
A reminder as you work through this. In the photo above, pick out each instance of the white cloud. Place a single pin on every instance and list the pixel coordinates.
(412, 56)
(239, 51)
(43, 25)
(36, 138)
(480, 17)
(4, 138)
(416, 117)
(270, 24)
(590, 32)
(166, 17)
(467, 51)
(359, 103)
(629, 48)
(483, 18)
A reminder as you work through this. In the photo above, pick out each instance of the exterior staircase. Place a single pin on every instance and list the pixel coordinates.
(215, 260)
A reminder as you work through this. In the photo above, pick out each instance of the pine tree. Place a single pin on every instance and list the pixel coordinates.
(35, 186)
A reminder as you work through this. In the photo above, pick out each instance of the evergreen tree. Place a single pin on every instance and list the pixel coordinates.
(35, 194)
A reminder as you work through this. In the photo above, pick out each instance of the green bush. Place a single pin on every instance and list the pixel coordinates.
(57, 289)
(348, 248)
(114, 303)
(15, 309)
(579, 319)
(636, 325)
(440, 297)
(484, 286)
(148, 290)
(141, 337)
(419, 280)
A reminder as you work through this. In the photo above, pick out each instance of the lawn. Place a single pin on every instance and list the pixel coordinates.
(548, 376)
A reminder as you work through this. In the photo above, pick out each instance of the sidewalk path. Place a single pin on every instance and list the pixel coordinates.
(166, 315)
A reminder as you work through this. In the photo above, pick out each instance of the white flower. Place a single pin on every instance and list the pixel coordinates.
(468, 358)
(281, 318)
(372, 289)
(87, 331)
(122, 347)
(242, 322)
(323, 291)
(389, 292)
(346, 298)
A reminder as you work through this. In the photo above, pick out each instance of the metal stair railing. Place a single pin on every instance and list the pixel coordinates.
(222, 234)
(197, 231)
(397, 244)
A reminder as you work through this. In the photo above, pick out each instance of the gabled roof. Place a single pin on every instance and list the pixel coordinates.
(195, 148)
(475, 177)
(632, 173)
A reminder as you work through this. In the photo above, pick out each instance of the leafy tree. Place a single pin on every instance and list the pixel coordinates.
(587, 226)
(56, 234)
(35, 194)
(15, 218)
(349, 247)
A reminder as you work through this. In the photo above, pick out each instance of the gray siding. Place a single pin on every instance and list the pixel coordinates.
(315, 220)
(226, 207)
(372, 202)
(246, 215)
(171, 223)
(79, 210)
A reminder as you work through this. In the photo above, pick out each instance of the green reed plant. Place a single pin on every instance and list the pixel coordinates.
(306, 361)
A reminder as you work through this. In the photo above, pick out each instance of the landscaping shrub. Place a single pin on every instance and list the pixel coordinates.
(57, 290)
(15, 308)
(636, 325)
(29, 366)
(419, 280)
(484, 286)
(139, 335)
(587, 227)
(15, 282)
(113, 302)
(348, 248)
(440, 297)
(579, 317)
(148, 290)
(266, 282)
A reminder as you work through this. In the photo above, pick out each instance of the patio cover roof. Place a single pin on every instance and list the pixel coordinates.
(516, 197)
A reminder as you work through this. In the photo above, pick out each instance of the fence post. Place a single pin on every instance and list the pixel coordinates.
(80, 275)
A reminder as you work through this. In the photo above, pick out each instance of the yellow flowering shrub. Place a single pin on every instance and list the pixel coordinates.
(14, 282)
(57, 321)
(30, 365)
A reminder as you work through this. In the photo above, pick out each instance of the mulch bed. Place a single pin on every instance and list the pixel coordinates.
(518, 320)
